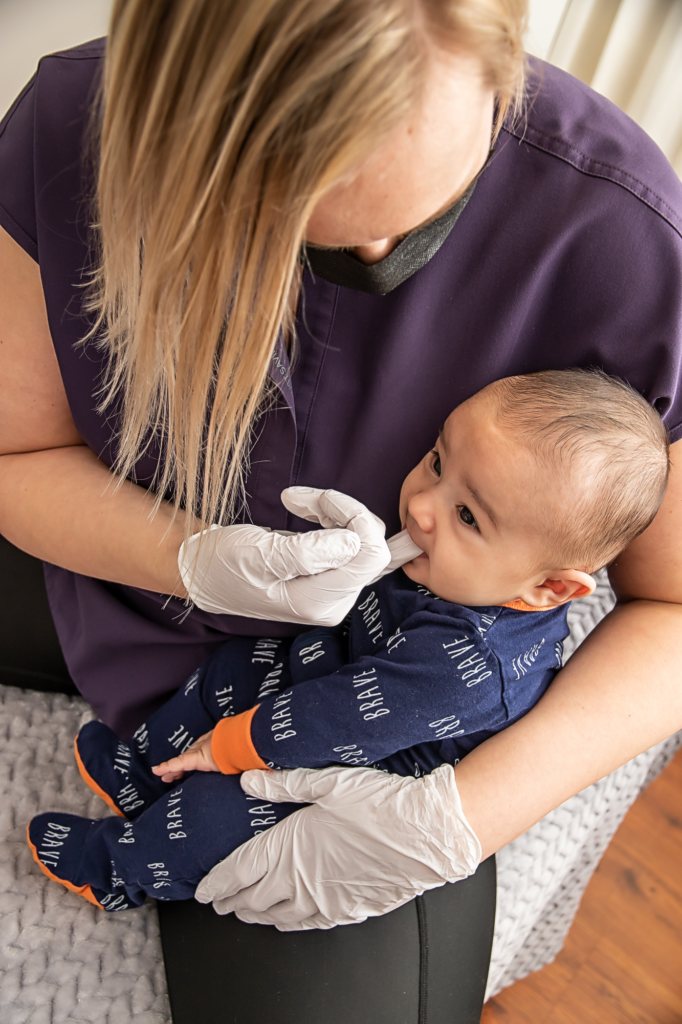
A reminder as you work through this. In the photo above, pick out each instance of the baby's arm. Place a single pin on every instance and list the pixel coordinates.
(428, 683)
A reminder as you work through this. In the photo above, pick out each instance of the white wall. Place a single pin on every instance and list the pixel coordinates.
(545, 18)
(31, 28)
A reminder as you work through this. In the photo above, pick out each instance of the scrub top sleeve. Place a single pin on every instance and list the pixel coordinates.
(17, 182)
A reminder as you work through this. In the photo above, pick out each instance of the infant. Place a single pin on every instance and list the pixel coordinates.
(534, 484)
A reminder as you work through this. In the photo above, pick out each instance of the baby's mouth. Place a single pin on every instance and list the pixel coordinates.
(422, 554)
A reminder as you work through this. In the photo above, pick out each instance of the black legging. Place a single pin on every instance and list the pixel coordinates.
(426, 963)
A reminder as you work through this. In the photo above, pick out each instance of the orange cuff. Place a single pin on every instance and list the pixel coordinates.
(521, 606)
(231, 745)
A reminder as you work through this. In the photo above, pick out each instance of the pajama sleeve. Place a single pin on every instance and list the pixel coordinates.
(428, 682)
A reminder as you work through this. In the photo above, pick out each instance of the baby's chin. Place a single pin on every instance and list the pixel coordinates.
(418, 569)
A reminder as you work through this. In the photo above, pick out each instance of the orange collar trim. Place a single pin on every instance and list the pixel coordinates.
(521, 606)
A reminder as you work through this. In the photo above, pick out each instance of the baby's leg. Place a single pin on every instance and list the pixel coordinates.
(165, 853)
(236, 677)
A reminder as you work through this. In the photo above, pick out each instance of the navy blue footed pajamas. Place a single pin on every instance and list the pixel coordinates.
(407, 683)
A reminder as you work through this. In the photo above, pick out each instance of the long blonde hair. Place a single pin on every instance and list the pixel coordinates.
(222, 122)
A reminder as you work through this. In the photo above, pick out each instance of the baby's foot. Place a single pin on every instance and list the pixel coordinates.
(108, 767)
(59, 843)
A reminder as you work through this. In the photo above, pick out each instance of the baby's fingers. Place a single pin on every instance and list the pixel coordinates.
(176, 767)
(198, 757)
(171, 776)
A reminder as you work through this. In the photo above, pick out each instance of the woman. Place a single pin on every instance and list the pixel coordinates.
(231, 134)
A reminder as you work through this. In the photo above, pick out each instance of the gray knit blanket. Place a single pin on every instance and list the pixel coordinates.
(62, 960)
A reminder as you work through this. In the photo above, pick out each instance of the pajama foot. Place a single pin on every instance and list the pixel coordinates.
(106, 766)
(58, 843)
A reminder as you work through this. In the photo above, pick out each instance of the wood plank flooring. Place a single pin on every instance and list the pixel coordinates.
(622, 962)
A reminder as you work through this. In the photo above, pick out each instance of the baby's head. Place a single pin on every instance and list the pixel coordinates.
(534, 483)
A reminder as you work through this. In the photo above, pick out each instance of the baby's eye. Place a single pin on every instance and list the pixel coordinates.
(467, 517)
(435, 464)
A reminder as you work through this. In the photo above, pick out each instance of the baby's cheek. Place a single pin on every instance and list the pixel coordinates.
(411, 485)
(415, 572)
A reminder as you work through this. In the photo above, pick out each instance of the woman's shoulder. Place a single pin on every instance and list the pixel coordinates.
(42, 140)
(586, 132)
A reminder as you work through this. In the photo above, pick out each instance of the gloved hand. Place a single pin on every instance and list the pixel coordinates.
(312, 578)
(403, 549)
(368, 843)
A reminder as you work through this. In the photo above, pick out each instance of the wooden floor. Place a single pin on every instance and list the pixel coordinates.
(622, 962)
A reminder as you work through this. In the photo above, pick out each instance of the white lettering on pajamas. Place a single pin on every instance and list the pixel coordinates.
(264, 651)
(111, 902)
(159, 874)
(265, 816)
(474, 666)
(174, 816)
(127, 836)
(395, 640)
(446, 728)
(141, 737)
(312, 652)
(191, 682)
(371, 616)
(281, 717)
(122, 759)
(52, 842)
(181, 739)
(129, 798)
(523, 662)
(271, 683)
(351, 755)
(224, 701)
(370, 694)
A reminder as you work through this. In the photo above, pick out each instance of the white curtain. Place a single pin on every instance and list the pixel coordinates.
(630, 51)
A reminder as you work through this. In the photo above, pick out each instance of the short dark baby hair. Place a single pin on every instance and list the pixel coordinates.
(606, 440)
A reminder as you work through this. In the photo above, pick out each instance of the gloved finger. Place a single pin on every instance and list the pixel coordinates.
(311, 785)
(318, 922)
(243, 868)
(254, 904)
(266, 908)
(328, 507)
(298, 785)
(403, 549)
(342, 510)
(304, 502)
(374, 554)
(308, 554)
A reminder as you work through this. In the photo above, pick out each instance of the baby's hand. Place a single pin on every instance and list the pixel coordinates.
(197, 758)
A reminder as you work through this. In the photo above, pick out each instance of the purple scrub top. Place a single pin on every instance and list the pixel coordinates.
(569, 253)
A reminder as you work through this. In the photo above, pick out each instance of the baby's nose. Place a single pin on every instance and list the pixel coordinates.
(420, 507)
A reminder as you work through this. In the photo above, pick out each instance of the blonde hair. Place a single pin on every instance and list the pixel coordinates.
(222, 122)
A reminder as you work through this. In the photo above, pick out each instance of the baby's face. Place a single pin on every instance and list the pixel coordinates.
(475, 506)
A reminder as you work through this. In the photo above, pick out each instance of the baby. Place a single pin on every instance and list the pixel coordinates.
(534, 484)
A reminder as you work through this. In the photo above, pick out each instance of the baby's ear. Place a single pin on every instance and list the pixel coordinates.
(558, 587)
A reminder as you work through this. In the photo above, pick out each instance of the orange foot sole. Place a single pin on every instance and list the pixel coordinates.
(81, 890)
(89, 781)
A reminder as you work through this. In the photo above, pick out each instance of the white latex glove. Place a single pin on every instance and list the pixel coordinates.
(403, 549)
(312, 578)
(368, 843)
